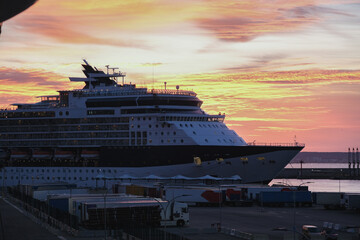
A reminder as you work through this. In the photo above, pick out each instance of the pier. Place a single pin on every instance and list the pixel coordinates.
(318, 173)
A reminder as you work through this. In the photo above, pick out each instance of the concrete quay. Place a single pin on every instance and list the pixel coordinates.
(319, 173)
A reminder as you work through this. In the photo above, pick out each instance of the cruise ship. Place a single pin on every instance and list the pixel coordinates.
(114, 129)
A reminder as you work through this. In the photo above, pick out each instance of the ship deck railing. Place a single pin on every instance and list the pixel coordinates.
(122, 92)
(295, 144)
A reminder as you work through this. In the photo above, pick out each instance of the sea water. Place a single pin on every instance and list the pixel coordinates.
(322, 185)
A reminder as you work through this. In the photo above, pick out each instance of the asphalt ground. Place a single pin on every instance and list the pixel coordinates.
(262, 222)
(14, 225)
(272, 222)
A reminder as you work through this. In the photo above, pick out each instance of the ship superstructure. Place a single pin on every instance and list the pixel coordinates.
(117, 128)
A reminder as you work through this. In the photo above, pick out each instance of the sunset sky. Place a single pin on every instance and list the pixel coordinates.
(276, 68)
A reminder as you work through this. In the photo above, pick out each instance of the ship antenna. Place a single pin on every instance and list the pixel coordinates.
(153, 75)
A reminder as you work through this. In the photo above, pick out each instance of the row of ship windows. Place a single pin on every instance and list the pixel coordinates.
(54, 121)
(66, 135)
(48, 178)
(66, 128)
(104, 142)
(63, 170)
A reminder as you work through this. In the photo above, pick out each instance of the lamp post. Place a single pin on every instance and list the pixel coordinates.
(294, 227)
(220, 210)
(105, 217)
(165, 210)
(294, 199)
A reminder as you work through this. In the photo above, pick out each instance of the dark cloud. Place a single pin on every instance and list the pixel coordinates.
(244, 23)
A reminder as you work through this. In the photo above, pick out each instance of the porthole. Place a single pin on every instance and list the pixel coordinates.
(149, 125)
(206, 140)
(181, 125)
(67, 113)
(191, 125)
(138, 126)
(162, 133)
(186, 125)
(194, 132)
(174, 133)
(156, 126)
(162, 141)
(60, 113)
(182, 140)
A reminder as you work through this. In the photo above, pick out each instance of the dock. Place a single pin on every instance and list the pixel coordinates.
(319, 173)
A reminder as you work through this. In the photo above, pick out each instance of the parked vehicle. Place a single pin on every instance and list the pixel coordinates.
(330, 200)
(299, 198)
(352, 201)
(313, 232)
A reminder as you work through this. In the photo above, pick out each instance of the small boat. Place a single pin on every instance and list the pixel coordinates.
(63, 154)
(3, 154)
(42, 154)
(19, 154)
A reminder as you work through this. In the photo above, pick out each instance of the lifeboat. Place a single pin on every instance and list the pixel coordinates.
(90, 153)
(3, 154)
(63, 154)
(43, 154)
(19, 154)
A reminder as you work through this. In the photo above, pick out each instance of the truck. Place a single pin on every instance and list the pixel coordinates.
(286, 198)
(351, 201)
(155, 212)
(330, 200)
(196, 196)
